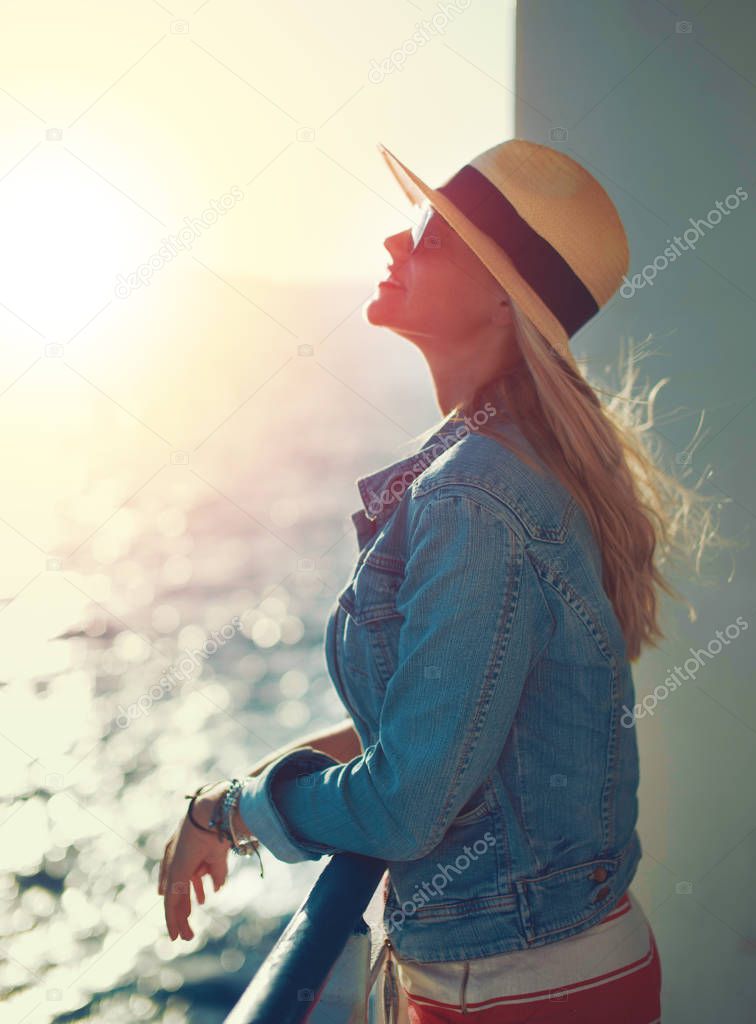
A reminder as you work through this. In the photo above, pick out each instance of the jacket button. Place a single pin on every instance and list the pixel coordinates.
(602, 892)
(599, 875)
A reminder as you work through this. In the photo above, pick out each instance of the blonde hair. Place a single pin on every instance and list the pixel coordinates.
(641, 516)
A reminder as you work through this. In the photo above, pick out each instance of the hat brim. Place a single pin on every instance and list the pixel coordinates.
(488, 252)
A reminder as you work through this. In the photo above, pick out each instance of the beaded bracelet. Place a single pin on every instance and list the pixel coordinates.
(246, 845)
(229, 800)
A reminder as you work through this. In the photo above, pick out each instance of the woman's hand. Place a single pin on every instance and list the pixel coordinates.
(190, 854)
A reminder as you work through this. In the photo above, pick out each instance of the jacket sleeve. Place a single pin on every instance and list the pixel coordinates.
(474, 620)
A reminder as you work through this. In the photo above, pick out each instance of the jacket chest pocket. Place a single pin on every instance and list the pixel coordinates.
(372, 622)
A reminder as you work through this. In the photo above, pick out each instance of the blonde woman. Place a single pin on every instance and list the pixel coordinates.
(507, 577)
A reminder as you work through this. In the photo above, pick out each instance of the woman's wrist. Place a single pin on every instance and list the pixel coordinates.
(208, 805)
(215, 809)
(239, 825)
(209, 808)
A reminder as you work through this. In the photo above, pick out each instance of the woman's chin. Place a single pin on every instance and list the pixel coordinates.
(380, 309)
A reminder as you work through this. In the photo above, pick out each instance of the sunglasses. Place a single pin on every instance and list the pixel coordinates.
(418, 230)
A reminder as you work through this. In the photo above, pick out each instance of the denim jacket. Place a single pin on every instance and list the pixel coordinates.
(485, 672)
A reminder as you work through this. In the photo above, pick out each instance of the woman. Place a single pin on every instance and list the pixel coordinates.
(507, 576)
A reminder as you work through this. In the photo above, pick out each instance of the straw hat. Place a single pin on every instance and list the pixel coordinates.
(541, 224)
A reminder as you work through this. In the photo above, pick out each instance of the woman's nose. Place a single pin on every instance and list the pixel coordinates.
(399, 243)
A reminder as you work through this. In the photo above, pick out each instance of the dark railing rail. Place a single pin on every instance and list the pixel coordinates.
(286, 986)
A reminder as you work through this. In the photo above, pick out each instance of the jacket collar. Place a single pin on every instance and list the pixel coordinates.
(382, 490)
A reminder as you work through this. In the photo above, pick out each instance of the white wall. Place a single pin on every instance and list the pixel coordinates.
(664, 117)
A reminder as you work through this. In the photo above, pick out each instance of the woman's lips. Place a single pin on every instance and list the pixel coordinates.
(390, 282)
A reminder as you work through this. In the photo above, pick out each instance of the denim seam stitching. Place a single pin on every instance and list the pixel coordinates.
(612, 760)
(524, 517)
(495, 659)
(578, 604)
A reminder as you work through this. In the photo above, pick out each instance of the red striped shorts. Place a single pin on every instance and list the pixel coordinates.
(609, 973)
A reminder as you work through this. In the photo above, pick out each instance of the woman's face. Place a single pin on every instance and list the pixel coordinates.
(440, 296)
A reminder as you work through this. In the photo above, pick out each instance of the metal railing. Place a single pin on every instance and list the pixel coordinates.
(286, 987)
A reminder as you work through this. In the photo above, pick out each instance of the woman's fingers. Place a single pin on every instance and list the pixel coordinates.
(163, 866)
(197, 882)
(185, 909)
(178, 906)
(187, 859)
(218, 867)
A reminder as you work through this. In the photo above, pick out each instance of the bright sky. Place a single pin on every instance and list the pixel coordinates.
(202, 148)
(162, 113)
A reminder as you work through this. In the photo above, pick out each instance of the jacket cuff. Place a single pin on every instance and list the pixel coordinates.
(263, 818)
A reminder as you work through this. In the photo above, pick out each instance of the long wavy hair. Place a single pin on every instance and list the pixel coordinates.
(604, 454)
